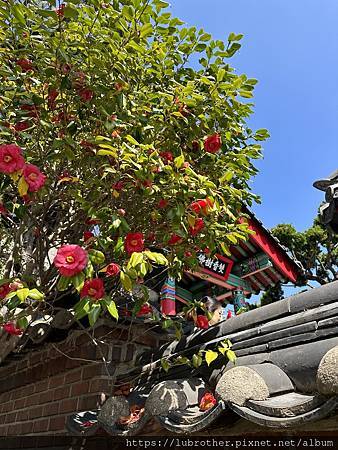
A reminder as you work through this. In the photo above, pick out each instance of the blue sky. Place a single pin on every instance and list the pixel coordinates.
(291, 47)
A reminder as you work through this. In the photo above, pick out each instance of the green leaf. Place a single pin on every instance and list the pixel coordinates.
(156, 257)
(70, 12)
(126, 281)
(167, 324)
(220, 75)
(146, 30)
(63, 283)
(136, 258)
(22, 294)
(231, 355)
(111, 307)
(96, 257)
(22, 323)
(165, 364)
(78, 281)
(210, 356)
(197, 360)
(17, 11)
(179, 161)
(94, 313)
(35, 294)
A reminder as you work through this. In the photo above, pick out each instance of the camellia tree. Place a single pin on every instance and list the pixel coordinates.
(117, 155)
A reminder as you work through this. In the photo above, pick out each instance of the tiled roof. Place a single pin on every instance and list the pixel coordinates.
(286, 373)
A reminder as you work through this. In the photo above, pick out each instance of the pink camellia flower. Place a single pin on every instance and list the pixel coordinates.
(134, 242)
(33, 177)
(229, 314)
(175, 239)
(4, 290)
(10, 328)
(21, 126)
(213, 143)
(86, 94)
(11, 159)
(93, 288)
(112, 270)
(3, 210)
(199, 225)
(202, 322)
(70, 260)
(25, 64)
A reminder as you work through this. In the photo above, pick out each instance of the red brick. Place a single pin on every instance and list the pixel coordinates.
(3, 430)
(51, 409)
(5, 397)
(46, 397)
(87, 403)
(18, 393)
(22, 415)
(40, 425)
(33, 400)
(26, 428)
(101, 385)
(62, 392)
(28, 390)
(91, 371)
(56, 381)
(20, 403)
(73, 376)
(35, 412)
(14, 430)
(7, 407)
(80, 388)
(57, 423)
(34, 358)
(10, 418)
(69, 405)
(41, 386)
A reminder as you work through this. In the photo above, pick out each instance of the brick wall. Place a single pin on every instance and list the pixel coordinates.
(39, 391)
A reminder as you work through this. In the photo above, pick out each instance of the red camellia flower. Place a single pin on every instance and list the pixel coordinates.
(93, 288)
(167, 156)
(52, 95)
(162, 203)
(60, 11)
(70, 260)
(4, 290)
(118, 186)
(33, 177)
(87, 235)
(86, 94)
(145, 309)
(21, 126)
(200, 206)
(208, 401)
(3, 210)
(25, 64)
(174, 239)
(121, 212)
(134, 242)
(10, 328)
(11, 159)
(199, 225)
(112, 270)
(202, 322)
(31, 110)
(213, 143)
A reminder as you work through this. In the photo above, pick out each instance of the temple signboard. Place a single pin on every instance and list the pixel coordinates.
(217, 266)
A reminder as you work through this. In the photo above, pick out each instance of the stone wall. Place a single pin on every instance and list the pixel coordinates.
(39, 390)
